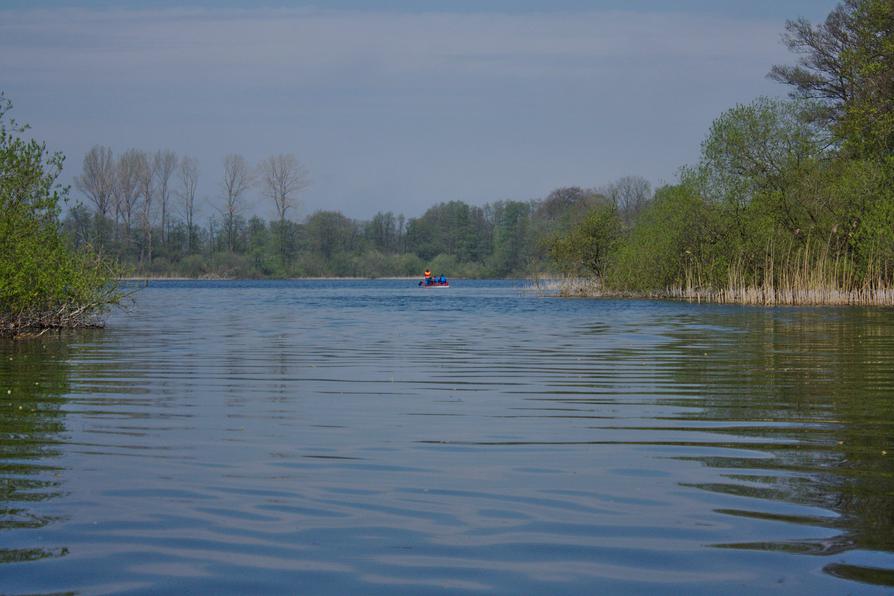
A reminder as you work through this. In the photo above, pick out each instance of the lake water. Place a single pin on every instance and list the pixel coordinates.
(374, 437)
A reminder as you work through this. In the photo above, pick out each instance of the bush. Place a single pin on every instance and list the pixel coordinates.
(409, 265)
(372, 264)
(674, 242)
(446, 265)
(43, 283)
(585, 250)
(192, 266)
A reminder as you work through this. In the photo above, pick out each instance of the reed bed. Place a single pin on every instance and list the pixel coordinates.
(582, 287)
(802, 278)
(788, 296)
(799, 278)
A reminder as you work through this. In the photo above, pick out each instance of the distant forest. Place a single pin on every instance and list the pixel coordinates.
(140, 208)
(791, 202)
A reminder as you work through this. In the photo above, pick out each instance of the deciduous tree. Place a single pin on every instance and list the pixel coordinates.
(238, 178)
(846, 66)
(188, 177)
(164, 163)
(283, 177)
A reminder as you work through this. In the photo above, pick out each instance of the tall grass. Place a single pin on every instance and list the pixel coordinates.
(802, 276)
(566, 286)
(799, 278)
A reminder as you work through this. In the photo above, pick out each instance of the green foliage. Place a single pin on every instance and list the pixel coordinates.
(675, 240)
(866, 192)
(330, 233)
(586, 248)
(847, 65)
(758, 148)
(512, 239)
(43, 283)
(867, 122)
(454, 228)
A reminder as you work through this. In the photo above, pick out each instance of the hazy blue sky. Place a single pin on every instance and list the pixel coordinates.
(396, 105)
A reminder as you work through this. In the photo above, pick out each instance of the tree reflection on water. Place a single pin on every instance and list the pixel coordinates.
(34, 379)
(817, 386)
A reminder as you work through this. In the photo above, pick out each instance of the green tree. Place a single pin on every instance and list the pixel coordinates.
(585, 250)
(43, 283)
(677, 242)
(512, 230)
(847, 67)
(383, 232)
(453, 228)
(330, 233)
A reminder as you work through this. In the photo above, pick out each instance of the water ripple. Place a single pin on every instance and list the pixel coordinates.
(361, 437)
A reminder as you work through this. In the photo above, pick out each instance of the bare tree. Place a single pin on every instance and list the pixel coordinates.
(238, 178)
(282, 178)
(827, 71)
(146, 186)
(188, 174)
(163, 165)
(97, 180)
(630, 195)
(126, 191)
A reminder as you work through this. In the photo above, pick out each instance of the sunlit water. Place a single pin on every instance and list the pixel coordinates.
(375, 437)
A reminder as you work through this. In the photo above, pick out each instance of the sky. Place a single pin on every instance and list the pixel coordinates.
(395, 105)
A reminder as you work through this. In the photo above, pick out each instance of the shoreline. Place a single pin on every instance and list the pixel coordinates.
(154, 278)
(590, 289)
(733, 296)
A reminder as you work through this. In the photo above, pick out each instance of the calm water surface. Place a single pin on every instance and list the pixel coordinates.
(373, 437)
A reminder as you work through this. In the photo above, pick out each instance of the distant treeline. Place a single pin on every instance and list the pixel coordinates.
(792, 201)
(141, 210)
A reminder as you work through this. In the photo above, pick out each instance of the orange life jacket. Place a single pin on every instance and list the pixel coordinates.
(427, 273)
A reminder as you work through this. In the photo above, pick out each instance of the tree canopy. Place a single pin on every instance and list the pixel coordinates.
(846, 67)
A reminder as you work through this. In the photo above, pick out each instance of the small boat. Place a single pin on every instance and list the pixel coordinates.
(433, 281)
(434, 284)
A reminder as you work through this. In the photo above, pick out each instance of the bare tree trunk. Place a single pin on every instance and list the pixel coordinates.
(97, 182)
(145, 178)
(127, 188)
(116, 233)
(238, 178)
(163, 165)
(189, 180)
(630, 196)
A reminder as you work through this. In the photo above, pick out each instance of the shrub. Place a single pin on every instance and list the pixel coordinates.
(43, 283)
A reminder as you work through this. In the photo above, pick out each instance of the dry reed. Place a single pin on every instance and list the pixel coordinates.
(801, 278)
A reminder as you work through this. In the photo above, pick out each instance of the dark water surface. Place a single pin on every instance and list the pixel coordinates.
(373, 437)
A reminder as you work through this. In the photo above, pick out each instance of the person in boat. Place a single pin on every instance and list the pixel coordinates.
(442, 280)
(427, 277)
